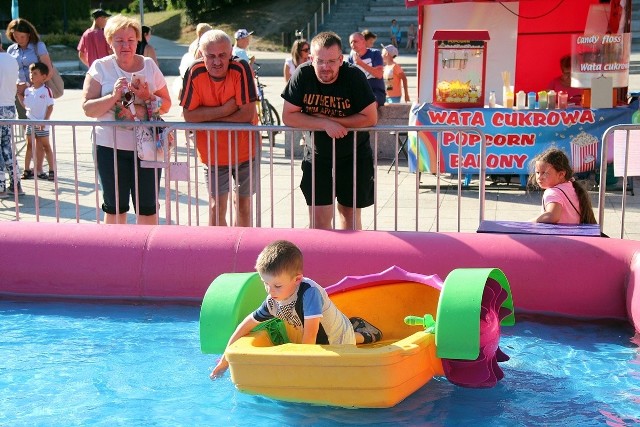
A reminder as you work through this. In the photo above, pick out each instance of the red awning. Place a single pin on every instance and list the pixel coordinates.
(461, 35)
(414, 3)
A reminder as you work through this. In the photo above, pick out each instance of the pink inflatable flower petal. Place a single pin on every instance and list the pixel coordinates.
(484, 371)
(501, 356)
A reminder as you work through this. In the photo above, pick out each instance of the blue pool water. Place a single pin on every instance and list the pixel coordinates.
(100, 364)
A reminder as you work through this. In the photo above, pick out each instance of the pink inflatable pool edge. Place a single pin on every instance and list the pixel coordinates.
(583, 277)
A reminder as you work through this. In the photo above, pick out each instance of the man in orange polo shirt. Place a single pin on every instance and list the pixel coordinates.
(219, 89)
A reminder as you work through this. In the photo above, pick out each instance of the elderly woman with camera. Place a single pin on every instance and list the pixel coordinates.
(124, 87)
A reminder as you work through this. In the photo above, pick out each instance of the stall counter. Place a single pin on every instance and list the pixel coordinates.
(514, 137)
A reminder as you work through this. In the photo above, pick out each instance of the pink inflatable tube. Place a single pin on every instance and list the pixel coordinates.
(583, 277)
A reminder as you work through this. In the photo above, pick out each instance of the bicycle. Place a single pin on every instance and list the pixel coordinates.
(268, 114)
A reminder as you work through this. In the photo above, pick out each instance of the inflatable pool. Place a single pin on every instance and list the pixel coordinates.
(585, 277)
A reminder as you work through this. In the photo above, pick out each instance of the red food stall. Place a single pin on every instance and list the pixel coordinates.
(527, 39)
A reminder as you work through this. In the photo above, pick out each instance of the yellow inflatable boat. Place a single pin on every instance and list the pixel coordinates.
(374, 375)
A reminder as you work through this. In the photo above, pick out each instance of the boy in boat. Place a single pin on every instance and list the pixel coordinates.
(301, 303)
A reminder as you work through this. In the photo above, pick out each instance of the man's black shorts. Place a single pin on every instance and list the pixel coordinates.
(344, 179)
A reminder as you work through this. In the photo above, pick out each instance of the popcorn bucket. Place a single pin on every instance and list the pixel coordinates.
(584, 150)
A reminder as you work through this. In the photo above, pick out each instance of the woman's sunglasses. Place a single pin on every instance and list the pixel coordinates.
(129, 97)
(306, 49)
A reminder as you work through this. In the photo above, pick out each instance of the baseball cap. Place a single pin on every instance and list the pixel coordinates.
(393, 51)
(98, 13)
(242, 33)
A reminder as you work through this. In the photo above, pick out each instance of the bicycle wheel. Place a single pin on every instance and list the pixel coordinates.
(264, 113)
(269, 117)
(275, 117)
(266, 119)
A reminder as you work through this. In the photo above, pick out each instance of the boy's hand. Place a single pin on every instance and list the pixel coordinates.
(220, 368)
(21, 88)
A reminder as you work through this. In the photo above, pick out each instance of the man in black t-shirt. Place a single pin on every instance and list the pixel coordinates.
(331, 95)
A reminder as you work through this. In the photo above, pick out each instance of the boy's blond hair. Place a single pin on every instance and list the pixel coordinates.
(279, 257)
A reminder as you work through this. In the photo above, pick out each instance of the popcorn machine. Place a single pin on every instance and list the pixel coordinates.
(459, 68)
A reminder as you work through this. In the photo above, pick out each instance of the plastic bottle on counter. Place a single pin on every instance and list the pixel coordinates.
(521, 99)
(492, 99)
(542, 99)
(563, 98)
(531, 100)
(551, 99)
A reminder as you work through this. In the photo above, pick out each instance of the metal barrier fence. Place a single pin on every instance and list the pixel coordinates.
(402, 201)
(619, 134)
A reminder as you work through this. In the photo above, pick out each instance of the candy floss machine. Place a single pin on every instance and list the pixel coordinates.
(459, 68)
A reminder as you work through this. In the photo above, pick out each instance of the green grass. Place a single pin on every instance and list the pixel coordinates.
(167, 24)
(268, 18)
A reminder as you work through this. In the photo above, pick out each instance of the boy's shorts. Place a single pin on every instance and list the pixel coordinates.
(344, 180)
(42, 131)
(245, 178)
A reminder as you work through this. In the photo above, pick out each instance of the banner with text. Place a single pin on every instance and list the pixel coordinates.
(513, 137)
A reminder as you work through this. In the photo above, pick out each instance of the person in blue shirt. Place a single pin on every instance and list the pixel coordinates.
(396, 33)
(27, 49)
(370, 61)
(243, 39)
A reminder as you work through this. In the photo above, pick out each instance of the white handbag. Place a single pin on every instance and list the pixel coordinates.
(154, 144)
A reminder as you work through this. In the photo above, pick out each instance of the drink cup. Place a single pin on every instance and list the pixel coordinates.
(509, 103)
(542, 99)
(551, 98)
(507, 92)
(563, 99)
(521, 100)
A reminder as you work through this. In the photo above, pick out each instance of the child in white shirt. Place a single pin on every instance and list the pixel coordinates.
(38, 102)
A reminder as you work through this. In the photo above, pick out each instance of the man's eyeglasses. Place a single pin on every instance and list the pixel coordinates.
(129, 97)
(330, 62)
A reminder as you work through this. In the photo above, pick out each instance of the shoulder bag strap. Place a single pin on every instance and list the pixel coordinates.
(568, 199)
